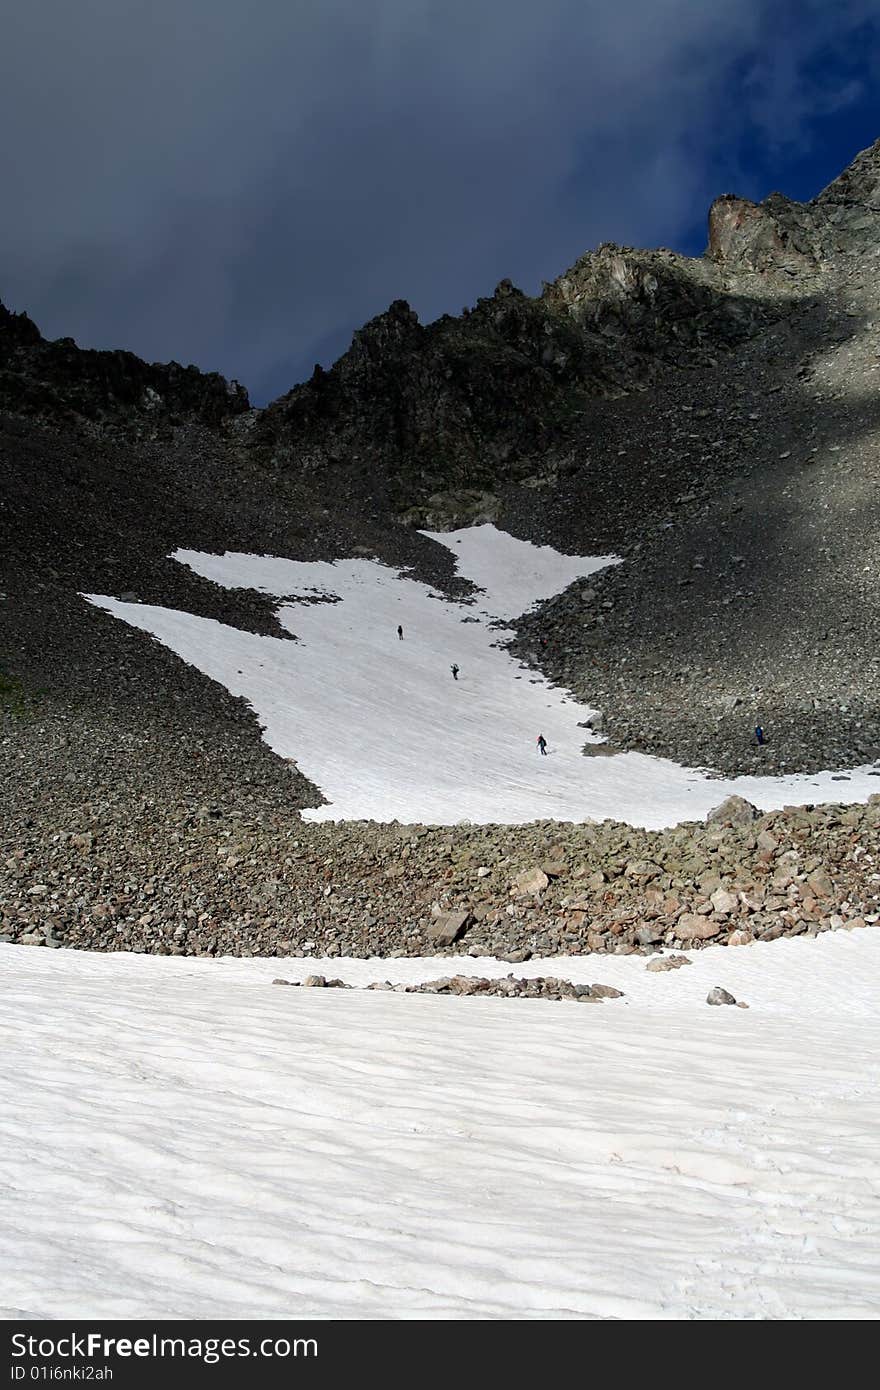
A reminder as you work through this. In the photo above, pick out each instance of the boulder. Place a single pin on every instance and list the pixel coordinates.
(648, 933)
(692, 927)
(734, 810)
(820, 883)
(531, 881)
(642, 869)
(724, 902)
(717, 995)
(447, 927)
(660, 963)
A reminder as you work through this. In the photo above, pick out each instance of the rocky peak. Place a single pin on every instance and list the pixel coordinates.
(16, 330)
(775, 235)
(779, 235)
(641, 309)
(858, 185)
(397, 329)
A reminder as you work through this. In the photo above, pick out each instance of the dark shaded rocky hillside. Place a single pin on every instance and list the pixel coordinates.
(60, 383)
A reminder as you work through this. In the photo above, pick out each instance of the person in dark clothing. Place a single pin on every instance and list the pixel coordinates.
(759, 735)
(400, 632)
(454, 669)
(542, 745)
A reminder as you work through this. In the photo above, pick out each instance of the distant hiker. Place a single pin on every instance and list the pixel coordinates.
(759, 735)
(454, 669)
(400, 632)
(542, 745)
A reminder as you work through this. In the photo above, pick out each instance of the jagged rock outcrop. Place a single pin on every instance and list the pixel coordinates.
(456, 407)
(444, 406)
(116, 392)
(779, 235)
(852, 200)
(775, 235)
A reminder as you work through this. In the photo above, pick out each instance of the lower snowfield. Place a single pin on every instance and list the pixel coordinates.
(386, 733)
(182, 1139)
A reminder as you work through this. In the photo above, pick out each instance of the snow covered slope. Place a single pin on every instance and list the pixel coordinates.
(380, 726)
(180, 1138)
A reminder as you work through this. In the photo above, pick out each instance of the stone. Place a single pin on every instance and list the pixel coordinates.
(447, 927)
(734, 810)
(554, 868)
(717, 995)
(644, 869)
(692, 927)
(660, 963)
(724, 902)
(606, 992)
(820, 883)
(531, 881)
(773, 932)
(648, 933)
(740, 937)
(314, 982)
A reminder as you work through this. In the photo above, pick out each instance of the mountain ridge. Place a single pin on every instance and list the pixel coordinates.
(606, 293)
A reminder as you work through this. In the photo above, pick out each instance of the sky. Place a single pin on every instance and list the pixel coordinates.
(241, 186)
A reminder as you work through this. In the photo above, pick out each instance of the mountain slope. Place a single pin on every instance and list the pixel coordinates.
(714, 421)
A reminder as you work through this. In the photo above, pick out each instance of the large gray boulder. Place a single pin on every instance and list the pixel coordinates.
(734, 810)
(448, 927)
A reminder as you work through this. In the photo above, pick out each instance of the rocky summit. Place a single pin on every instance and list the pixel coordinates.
(712, 421)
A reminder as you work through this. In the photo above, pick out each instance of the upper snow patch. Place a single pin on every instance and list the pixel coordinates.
(514, 574)
(386, 732)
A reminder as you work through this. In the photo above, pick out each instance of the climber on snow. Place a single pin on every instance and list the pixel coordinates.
(400, 632)
(542, 745)
(454, 669)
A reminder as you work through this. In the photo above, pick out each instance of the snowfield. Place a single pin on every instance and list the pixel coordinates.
(182, 1139)
(380, 726)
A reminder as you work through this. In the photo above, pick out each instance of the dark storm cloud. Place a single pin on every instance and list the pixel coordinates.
(241, 186)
